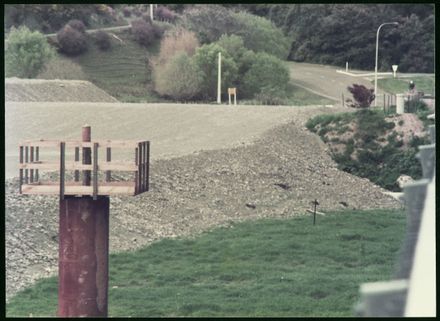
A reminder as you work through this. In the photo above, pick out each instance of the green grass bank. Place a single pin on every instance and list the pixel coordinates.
(270, 267)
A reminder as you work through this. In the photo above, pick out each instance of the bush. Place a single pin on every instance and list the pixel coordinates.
(71, 41)
(363, 97)
(179, 79)
(271, 96)
(206, 58)
(102, 40)
(261, 35)
(165, 14)
(174, 41)
(27, 53)
(126, 11)
(266, 72)
(143, 32)
(77, 25)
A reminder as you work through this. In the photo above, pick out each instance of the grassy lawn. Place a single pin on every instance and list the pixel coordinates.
(269, 267)
(396, 86)
(122, 71)
(300, 97)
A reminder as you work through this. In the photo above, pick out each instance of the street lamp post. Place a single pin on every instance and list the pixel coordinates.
(377, 55)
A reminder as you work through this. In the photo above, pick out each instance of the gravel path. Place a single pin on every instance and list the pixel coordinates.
(276, 176)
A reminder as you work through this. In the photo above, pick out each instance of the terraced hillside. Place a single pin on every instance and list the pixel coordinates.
(122, 70)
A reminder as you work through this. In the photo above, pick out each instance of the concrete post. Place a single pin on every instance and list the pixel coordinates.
(400, 103)
(219, 80)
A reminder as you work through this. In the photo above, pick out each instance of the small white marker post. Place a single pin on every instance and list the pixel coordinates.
(394, 70)
(151, 12)
(219, 77)
(346, 66)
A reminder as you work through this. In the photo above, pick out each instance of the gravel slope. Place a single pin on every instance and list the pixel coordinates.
(17, 89)
(278, 175)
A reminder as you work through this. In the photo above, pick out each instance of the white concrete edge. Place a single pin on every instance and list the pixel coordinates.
(363, 75)
(421, 299)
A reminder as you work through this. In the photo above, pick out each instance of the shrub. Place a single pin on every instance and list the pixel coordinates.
(102, 40)
(71, 41)
(77, 25)
(143, 32)
(165, 14)
(27, 53)
(209, 22)
(266, 72)
(261, 35)
(177, 40)
(180, 78)
(206, 58)
(126, 11)
(271, 96)
(363, 97)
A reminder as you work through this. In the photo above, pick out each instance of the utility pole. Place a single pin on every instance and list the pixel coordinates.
(219, 82)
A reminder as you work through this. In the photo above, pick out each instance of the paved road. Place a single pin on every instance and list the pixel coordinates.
(324, 80)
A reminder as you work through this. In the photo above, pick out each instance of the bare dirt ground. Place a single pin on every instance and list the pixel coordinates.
(22, 90)
(277, 172)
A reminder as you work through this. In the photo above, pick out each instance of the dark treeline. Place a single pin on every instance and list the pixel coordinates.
(336, 33)
(318, 33)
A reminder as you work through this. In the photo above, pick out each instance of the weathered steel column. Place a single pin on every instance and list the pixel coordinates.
(83, 251)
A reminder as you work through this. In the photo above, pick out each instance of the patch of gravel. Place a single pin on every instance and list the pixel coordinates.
(276, 176)
(25, 90)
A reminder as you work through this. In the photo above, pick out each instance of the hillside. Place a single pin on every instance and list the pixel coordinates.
(28, 90)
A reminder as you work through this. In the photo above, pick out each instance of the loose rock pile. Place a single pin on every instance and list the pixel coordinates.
(277, 176)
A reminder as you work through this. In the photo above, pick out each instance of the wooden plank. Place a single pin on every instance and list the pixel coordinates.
(78, 190)
(148, 166)
(123, 144)
(76, 174)
(136, 174)
(37, 158)
(95, 171)
(26, 160)
(31, 176)
(119, 166)
(108, 174)
(21, 170)
(140, 167)
(62, 168)
(144, 165)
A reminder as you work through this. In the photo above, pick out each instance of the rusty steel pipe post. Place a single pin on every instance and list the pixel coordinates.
(83, 252)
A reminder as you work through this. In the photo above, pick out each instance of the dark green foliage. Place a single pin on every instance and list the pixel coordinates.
(71, 41)
(380, 164)
(102, 40)
(77, 25)
(49, 18)
(143, 32)
(206, 59)
(267, 75)
(336, 33)
(210, 22)
(27, 53)
(270, 267)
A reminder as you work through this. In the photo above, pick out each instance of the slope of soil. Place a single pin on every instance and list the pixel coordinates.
(27, 90)
(276, 176)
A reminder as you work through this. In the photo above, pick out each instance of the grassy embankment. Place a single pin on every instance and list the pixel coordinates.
(425, 84)
(270, 267)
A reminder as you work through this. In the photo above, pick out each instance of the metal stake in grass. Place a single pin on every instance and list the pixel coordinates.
(314, 210)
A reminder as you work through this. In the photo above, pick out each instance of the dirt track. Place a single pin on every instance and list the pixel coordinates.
(173, 129)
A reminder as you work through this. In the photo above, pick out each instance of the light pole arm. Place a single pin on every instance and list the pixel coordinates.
(377, 56)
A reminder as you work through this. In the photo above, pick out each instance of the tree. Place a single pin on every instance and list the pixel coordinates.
(180, 78)
(27, 53)
(267, 73)
(206, 58)
(71, 41)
